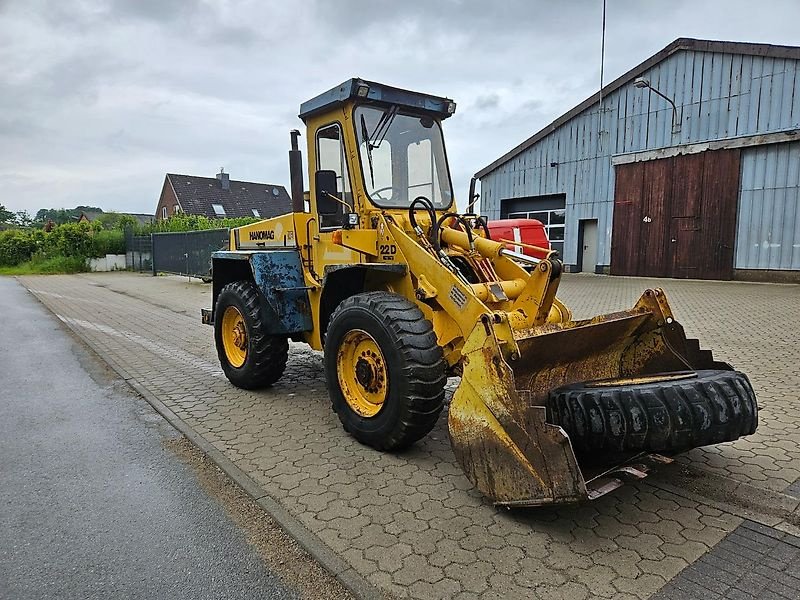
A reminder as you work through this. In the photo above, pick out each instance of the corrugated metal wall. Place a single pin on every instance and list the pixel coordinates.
(719, 95)
(768, 224)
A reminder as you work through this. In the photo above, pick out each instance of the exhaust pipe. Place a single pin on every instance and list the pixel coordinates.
(296, 173)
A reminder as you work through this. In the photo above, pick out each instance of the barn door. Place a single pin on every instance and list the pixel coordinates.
(676, 217)
(687, 210)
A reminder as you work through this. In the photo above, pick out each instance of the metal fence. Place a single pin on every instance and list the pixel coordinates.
(138, 252)
(187, 252)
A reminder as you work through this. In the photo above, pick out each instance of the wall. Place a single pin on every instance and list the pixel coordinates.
(768, 226)
(719, 95)
(110, 262)
(167, 199)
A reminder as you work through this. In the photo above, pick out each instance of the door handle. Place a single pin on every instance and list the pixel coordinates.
(673, 240)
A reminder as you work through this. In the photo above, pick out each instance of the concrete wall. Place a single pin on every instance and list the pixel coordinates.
(719, 96)
(110, 262)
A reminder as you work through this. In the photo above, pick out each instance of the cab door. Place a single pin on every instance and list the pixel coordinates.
(330, 154)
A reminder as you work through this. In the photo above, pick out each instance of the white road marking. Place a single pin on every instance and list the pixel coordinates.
(165, 350)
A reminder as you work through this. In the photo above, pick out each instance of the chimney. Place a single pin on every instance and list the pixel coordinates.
(224, 179)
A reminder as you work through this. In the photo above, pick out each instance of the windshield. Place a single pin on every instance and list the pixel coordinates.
(402, 157)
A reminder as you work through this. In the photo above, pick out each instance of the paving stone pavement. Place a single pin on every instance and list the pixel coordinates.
(752, 561)
(411, 523)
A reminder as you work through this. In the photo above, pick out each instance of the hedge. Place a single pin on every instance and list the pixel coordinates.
(74, 240)
(184, 222)
(87, 240)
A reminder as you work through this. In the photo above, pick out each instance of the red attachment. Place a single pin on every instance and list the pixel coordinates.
(527, 231)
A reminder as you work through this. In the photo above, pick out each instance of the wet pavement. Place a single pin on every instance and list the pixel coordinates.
(412, 525)
(95, 502)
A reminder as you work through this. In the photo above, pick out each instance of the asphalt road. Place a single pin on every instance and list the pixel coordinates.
(94, 502)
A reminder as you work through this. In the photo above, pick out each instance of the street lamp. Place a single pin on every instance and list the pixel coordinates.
(641, 82)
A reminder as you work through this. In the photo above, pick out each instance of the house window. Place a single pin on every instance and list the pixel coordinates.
(176, 209)
(255, 213)
(163, 212)
(218, 210)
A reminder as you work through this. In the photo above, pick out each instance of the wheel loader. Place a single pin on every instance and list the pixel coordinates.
(378, 269)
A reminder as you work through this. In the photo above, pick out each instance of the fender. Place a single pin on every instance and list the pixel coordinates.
(278, 274)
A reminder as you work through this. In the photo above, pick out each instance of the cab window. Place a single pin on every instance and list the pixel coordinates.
(331, 157)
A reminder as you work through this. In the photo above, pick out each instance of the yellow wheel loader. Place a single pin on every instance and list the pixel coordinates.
(378, 270)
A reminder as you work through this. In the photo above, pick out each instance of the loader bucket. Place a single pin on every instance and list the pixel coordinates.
(497, 417)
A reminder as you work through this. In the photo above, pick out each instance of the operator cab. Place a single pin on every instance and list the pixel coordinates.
(376, 144)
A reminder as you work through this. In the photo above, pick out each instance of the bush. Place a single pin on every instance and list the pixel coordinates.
(71, 240)
(16, 246)
(40, 264)
(183, 222)
(112, 220)
(108, 242)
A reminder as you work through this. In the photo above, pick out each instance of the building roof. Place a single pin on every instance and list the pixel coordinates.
(768, 50)
(142, 218)
(90, 215)
(197, 195)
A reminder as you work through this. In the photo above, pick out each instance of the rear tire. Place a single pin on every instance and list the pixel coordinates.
(259, 359)
(671, 414)
(385, 370)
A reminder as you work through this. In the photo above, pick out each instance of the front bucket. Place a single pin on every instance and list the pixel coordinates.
(497, 417)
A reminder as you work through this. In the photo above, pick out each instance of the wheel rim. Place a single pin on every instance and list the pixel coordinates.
(234, 336)
(362, 373)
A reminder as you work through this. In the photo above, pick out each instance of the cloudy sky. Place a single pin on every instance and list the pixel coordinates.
(100, 98)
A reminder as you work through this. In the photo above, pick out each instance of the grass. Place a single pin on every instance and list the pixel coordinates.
(47, 266)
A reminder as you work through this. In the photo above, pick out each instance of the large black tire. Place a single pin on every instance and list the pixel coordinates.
(414, 363)
(266, 354)
(669, 414)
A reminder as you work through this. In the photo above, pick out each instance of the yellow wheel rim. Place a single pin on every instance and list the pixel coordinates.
(234, 336)
(362, 373)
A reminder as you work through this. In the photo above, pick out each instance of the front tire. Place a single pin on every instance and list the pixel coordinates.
(250, 357)
(385, 370)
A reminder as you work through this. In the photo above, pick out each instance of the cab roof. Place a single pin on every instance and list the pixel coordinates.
(369, 92)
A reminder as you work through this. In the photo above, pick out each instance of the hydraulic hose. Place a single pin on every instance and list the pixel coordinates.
(427, 205)
(435, 233)
(484, 225)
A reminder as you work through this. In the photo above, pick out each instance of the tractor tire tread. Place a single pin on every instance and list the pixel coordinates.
(670, 416)
(423, 370)
(267, 354)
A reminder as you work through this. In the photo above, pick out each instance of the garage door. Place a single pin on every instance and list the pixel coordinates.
(676, 217)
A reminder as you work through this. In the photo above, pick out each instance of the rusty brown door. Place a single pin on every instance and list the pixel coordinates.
(676, 217)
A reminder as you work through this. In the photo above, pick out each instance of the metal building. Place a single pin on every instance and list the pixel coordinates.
(686, 166)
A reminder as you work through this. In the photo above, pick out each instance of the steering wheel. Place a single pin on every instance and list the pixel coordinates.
(377, 193)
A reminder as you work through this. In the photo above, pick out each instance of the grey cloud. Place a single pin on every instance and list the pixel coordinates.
(487, 101)
(99, 98)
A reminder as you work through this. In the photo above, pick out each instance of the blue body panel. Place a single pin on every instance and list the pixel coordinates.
(279, 276)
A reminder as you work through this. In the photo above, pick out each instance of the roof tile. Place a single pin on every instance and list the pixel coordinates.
(197, 194)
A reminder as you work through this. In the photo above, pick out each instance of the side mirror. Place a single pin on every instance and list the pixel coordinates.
(325, 186)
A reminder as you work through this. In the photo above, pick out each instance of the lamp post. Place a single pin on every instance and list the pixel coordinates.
(641, 82)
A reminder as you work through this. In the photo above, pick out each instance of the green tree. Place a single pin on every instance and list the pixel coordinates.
(59, 216)
(6, 216)
(23, 219)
